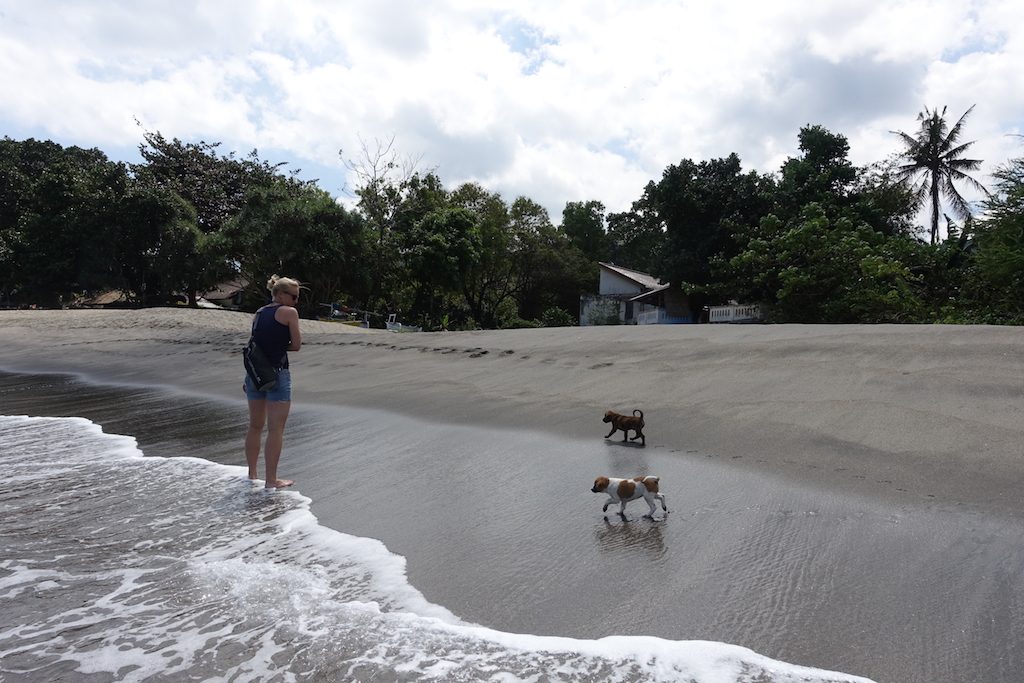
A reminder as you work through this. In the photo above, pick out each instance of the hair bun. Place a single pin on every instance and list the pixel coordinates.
(277, 283)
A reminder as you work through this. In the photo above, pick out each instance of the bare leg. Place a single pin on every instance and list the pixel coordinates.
(257, 418)
(277, 416)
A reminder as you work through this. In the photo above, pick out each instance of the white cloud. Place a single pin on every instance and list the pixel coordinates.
(559, 101)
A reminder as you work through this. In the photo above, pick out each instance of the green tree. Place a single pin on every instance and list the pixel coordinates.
(294, 228)
(441, 249)
(392, 194)
(58, 207)
(157, 241)
(882, 200)
(217, 187)
(551, 271)
(637, 237)
(214, 184)
(821, 174)
(583, 224)
(996, 289)
(934, 164)
(704, 207)
(835, 247)
(403, 290)
(490, 281)
(817, 269)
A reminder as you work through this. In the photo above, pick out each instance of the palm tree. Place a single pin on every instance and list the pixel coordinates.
(934, 163)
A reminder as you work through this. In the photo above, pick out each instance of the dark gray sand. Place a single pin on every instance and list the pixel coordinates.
(847, 497)
(499, 526)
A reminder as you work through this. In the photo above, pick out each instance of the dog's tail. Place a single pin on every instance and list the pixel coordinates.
(639, 411)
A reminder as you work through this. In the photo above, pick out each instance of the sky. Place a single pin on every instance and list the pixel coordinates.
(558, 101)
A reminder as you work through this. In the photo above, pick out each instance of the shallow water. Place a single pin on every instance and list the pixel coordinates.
(499, 529)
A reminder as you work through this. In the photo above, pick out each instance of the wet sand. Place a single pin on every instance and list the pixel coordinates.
(907, 412)
(842, 497)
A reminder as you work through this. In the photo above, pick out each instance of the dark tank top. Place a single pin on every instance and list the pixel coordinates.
(271, 336)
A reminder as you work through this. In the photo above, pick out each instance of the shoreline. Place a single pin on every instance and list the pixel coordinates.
(827, 485)
(927, 413)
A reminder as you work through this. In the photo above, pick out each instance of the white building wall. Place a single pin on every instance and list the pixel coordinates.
(599, 310)
(612, 283)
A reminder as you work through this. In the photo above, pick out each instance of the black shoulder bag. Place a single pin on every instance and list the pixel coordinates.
(260, 370)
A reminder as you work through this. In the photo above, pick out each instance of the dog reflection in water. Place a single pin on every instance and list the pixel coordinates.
(630, 537)
(622, 491)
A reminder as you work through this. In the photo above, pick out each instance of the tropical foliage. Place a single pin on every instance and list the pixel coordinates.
(934, 164)
(821, 240)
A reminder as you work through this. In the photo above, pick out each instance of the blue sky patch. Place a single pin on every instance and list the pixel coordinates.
(527, 40)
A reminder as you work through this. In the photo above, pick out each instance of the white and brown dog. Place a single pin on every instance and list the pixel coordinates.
(622, 491)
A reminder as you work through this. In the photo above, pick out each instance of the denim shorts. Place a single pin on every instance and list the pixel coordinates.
(281, 392)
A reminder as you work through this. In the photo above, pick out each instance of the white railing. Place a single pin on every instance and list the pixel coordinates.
(651, 316)
(734, 314)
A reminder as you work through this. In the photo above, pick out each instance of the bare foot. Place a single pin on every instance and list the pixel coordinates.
(281, 483)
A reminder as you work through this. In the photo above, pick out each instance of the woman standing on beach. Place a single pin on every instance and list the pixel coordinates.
(276, 331)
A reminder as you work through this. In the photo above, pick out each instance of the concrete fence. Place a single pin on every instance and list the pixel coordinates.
(734, 314)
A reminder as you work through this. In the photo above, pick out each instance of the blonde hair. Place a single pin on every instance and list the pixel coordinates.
(276, 284)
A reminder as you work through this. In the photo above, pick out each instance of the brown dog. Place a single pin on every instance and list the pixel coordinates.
(626, 423)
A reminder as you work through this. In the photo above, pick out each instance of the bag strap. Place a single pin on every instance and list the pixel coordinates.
(255, 319)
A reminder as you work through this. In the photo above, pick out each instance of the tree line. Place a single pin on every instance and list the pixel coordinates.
(821, 240)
